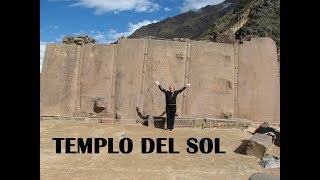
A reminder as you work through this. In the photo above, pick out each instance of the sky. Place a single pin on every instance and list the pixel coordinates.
(105, 20)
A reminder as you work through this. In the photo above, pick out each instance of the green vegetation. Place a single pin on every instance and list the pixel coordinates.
(263, 20)
(226, 21)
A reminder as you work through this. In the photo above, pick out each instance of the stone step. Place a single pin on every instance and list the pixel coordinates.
(202, 122)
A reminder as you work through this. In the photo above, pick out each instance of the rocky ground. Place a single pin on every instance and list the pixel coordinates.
(136, 165)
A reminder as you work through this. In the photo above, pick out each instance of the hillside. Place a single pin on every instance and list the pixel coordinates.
(264, 22)
(187, 25)
(236, 17)
(259, 17)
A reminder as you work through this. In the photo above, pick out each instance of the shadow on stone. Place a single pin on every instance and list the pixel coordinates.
(242, 148)
(159, 122)
(145, 122)
(264, 128)
(97, 109)
(140, 114)
(144, 118)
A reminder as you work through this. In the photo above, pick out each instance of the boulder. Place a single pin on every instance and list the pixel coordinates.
(258, 145)
(263, 176)
(269, 161)
(265, 128)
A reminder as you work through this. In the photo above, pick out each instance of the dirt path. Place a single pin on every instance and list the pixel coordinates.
(136, 165)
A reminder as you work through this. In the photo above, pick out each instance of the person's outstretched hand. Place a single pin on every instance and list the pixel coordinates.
(158, 83)
(188, 84)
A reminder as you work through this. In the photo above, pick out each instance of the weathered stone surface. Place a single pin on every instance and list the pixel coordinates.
(258, 145)
(226, 115)
(211, 69)
(100, 102)
(269, 161)
(196, 122)
(124, 75)
(59, 77)
(96, 79)
(128, 76)
(265, 128)
(183, 122)
(162, 56)
(263, 176)
(79, 40)
(258, 81)
(118, 115)
(274, 163)
(106, 120)
(199, 122)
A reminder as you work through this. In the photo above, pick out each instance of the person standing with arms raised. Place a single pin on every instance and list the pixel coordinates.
(171, 107)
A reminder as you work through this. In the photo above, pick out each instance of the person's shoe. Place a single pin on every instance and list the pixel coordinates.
(172, 129)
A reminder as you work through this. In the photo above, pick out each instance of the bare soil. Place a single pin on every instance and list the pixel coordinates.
(136, 165)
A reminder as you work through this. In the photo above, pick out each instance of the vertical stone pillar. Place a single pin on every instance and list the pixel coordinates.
(77, 107)
(236, 72)
(144, 70)
(186, 79)
(113, 100)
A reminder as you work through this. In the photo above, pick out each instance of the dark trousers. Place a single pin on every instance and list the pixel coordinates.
(171, 113)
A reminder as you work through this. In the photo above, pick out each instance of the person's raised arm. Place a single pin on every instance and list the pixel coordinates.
(160, 87)
(182, 89)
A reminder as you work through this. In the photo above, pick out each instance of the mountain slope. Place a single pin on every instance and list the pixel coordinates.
(260, 18)
(264, 22)
(187, 25)
(236, 17)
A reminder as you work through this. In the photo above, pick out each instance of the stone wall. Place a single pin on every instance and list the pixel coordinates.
(111, 80)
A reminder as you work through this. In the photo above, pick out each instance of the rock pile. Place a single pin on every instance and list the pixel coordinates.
(222, 38)
(79, 40)
(259, 145)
